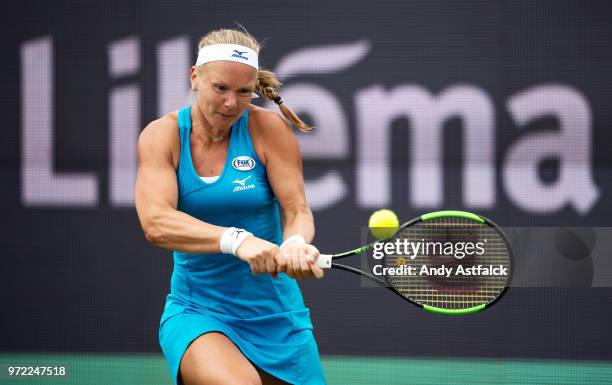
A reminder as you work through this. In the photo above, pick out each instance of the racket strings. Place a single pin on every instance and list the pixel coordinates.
(455, 291)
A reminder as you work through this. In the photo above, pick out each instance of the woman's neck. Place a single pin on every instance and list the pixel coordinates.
(207, 134)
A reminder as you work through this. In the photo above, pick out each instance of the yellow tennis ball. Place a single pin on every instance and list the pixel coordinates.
(383, 224)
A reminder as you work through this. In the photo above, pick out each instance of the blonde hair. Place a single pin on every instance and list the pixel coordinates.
(267, 83)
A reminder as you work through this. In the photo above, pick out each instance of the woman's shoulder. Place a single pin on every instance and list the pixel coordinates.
(164, 125)
(265, 122)
(162, 134)
(165, 122)
(270, 133)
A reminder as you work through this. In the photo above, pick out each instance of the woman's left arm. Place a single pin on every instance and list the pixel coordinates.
(284, 170)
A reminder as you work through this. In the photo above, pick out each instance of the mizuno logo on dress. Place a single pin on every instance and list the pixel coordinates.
(239, 54)
(242, 181)
(242, 184)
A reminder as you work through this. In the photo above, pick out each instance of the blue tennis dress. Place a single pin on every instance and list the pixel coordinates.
(264, 317)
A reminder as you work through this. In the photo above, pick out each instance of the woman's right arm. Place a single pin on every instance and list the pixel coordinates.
(156, 195)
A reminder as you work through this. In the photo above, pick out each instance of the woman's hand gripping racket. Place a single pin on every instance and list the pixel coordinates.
(451, 262)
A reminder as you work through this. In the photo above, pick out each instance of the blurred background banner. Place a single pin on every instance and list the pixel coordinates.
(502, 108)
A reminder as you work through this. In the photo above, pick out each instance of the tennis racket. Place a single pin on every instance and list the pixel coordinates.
(450, 262)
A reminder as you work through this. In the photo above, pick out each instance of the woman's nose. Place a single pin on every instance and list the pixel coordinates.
(230, 100)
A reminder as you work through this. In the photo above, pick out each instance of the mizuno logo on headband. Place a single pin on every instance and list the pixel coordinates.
(239, 54)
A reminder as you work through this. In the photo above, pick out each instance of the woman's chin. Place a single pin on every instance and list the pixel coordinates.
(225, 123)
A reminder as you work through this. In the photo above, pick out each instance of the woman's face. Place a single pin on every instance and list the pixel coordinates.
(224, 89)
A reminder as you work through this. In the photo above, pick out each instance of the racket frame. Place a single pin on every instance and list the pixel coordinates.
(326, 261)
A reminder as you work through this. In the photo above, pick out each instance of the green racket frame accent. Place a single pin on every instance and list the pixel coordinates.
(452, 213)
(451, 311)
(360, 250)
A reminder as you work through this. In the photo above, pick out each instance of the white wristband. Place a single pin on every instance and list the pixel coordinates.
(294, 238)
(231, 240)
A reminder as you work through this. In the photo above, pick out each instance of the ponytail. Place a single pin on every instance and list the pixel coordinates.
(268, 85)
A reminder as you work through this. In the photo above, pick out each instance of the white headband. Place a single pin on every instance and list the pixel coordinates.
(231, 52)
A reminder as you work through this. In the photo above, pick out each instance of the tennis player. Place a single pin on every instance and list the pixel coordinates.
(215, 182)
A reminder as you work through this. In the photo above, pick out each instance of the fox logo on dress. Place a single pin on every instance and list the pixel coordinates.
(243, 163)
(242, 184)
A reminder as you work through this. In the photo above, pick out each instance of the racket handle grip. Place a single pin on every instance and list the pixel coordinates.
(324, 261)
